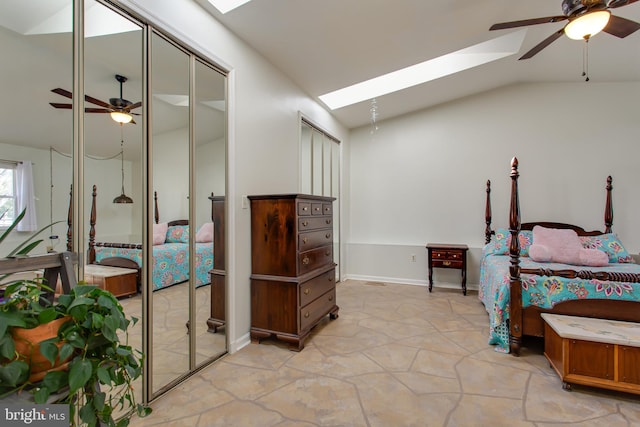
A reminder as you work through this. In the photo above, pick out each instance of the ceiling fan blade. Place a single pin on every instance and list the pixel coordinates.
(97, 102)
(62, 92)
(546, 42)
(621, 27)
(526, 22)
(132, 106)
(620, 3)
(58, 105)
(96, 110)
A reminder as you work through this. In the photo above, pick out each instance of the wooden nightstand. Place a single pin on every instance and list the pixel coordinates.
(448, 256)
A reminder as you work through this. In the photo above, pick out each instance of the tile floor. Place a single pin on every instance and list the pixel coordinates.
(396, 356)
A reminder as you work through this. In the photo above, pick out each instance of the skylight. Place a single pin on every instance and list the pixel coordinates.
(433, 69)
(225, 6)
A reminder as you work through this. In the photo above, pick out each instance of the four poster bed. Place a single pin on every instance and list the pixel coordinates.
(515, 289)
(170, 251)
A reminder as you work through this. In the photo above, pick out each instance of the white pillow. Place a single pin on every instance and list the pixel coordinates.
(160, 233)
(205, 233)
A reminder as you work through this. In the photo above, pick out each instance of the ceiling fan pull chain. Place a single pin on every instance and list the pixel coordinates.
(585, 59)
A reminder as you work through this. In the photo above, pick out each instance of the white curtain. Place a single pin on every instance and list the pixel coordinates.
(25, 196)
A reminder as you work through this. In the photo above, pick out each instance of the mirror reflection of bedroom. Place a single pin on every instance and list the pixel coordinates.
(126, 190)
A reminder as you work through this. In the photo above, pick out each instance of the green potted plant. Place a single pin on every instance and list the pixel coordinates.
(92, 369)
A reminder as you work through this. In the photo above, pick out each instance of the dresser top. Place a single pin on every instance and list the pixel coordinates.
(292, 196)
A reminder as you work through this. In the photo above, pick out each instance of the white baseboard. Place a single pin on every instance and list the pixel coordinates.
(470, 286)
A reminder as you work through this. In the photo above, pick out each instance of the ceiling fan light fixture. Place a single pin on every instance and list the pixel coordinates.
(121, 117)
(587, 25)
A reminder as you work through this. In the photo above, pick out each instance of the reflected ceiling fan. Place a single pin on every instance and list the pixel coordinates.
(119, 108)
(586, 19)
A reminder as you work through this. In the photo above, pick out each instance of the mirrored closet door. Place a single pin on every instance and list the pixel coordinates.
(188, 178)
(113, 146)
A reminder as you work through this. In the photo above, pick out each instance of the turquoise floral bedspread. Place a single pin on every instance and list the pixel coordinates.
(541, 291)
(170, 262)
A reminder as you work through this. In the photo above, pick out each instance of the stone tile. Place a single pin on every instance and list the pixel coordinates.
(393, 357)
(487, 379)
(546, 401)
(421, 383)
(317, 399)
(313, 361)
(239, 413)
(439, 364)
(388, 402)
(488, 411)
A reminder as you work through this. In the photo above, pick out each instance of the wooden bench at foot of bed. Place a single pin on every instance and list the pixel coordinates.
(593, 352)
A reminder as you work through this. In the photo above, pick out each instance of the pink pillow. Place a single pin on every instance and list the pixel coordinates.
(205, 234)
(563, 246)
(159, 233)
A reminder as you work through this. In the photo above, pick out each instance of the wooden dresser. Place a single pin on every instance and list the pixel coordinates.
(293, 273)
(218, 273)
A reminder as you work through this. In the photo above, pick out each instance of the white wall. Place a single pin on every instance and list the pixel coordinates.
(263, 132)
(421, 178)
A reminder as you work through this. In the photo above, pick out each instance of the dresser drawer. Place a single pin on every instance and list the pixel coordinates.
(448, 255)
(320, 307)
(313, 239)
(317, 286)
(304, 208)
(314, 223)
(315, 258)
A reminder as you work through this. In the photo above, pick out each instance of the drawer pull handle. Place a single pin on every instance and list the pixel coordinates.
(331, 298)
(328, 235)
(306, 291)
(305, 240)
(305, 260)
(305, 208)
(328, 221)
(305, 223)
(306, 315)
(447, 263)
(331, 280)
(327, 209)
(327, 253)
(317, 209)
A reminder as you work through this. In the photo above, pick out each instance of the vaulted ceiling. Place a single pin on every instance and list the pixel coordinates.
(330, 44)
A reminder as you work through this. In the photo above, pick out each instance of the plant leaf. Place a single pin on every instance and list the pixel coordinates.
(13, 224)
(18, 219)
(49, 349)
(79, 374)
(65, 351)
(7, 347)
(14, 373)
(87, 414)
(55, 380)
(47, 315)
(41, 395)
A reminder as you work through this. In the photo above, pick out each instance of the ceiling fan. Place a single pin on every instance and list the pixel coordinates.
(119, 108)
(586, 18)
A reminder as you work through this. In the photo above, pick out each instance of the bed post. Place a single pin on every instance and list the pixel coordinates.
(156, 212)
(515, 285)
(608, 209)
(487, 214)
(70, 222)
(92, 228)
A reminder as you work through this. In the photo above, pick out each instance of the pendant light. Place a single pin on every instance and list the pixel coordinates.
(122, 198)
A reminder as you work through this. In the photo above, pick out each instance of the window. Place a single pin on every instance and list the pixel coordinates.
(7, 193)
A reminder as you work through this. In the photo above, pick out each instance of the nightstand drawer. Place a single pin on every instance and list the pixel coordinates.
(450, 255)
(446, 263)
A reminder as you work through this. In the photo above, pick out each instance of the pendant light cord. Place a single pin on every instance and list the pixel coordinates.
(122, 154)
(585, 59)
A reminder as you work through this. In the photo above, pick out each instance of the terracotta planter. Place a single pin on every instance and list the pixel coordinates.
(27, 342)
